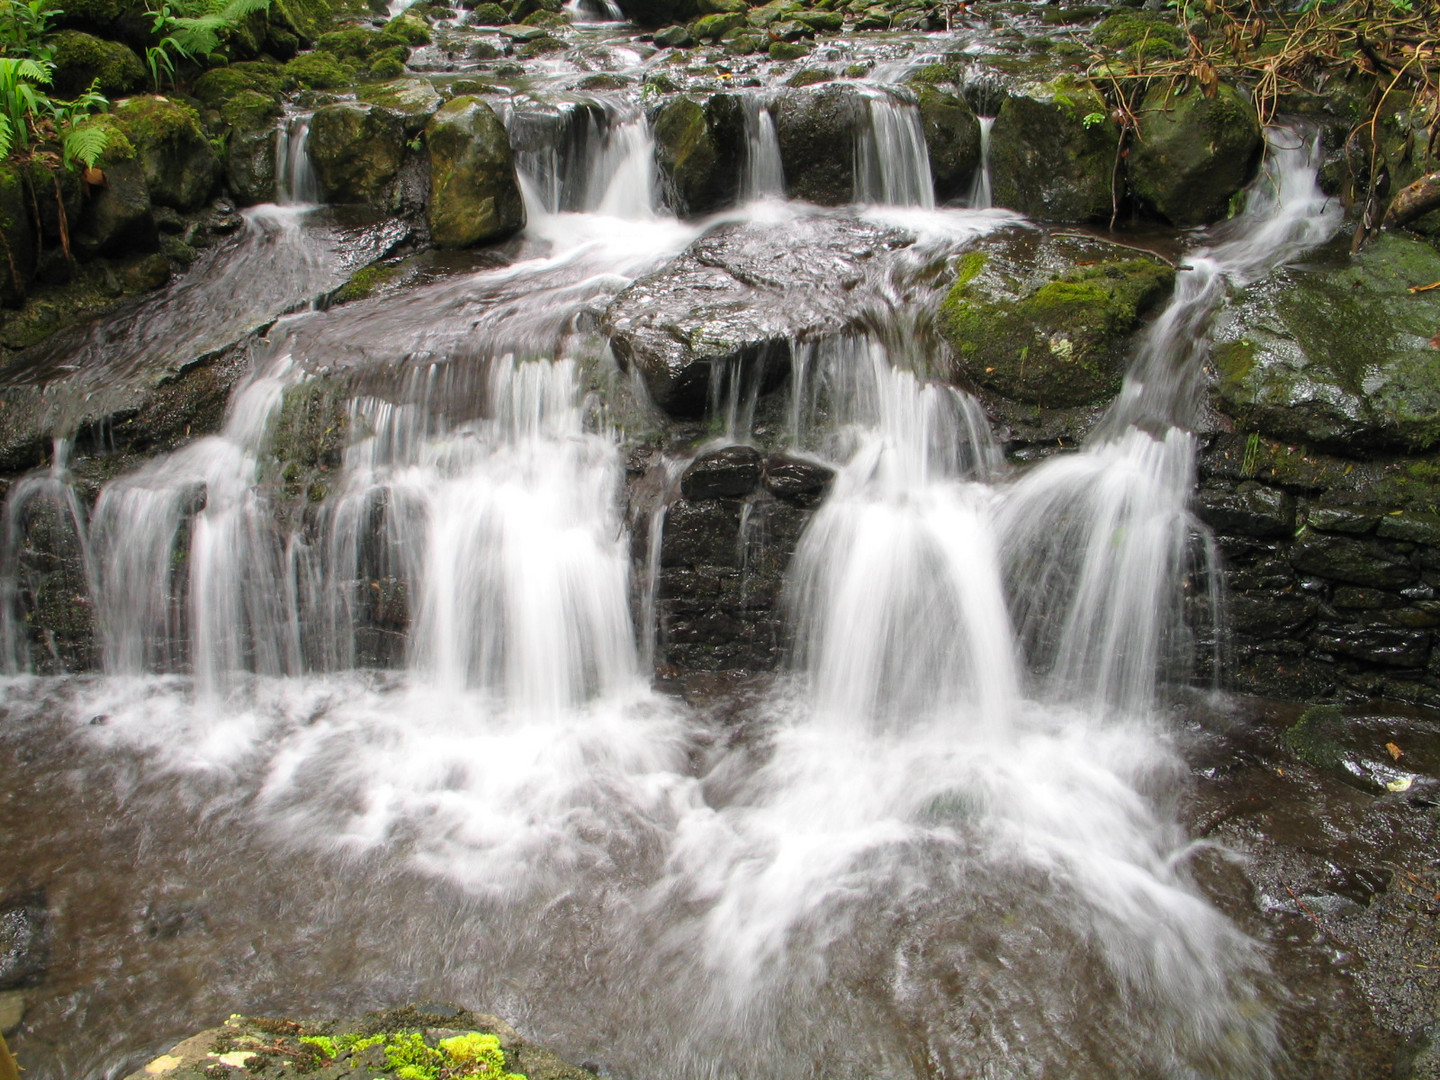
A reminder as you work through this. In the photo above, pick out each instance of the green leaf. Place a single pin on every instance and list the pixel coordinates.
(85, 143)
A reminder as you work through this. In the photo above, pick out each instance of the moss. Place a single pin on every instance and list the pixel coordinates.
(319, 71)
(118, 146)
(82, 58)
(410, 29)
(353, 43)
(1312, 737)
(364, 283)
(250, 109)
(215, 88)
(1234, 361)
(970, 264)
(809, 77)
(148, 121)
(936, 75)
(545, 18)
(1128, 29)
(539, 47)
(387, 67)
(787, 50)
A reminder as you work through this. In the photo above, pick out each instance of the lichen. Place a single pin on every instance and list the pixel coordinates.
(1312, 737)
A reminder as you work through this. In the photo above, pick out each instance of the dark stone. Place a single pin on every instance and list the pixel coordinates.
(721, 316)
(802, 482)
(952, 138)
(1355, 562)
(674, 37)
(1250, 510)
(118, 218)
(1376, 645)
(1341, 519)
(1411, 527)
(1265, 616)
(24, 939)
(723, 474)
(1047, 161)
(700, 150)
(816, 129)
(474, 190)
(356, 151)
(705, 533)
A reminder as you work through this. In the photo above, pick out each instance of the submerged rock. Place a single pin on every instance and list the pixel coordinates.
(356, 151)
(1194, 152)
(1048, 320)
(1341, 354)
(24, 939)
(418, 1042)
(730, 473)
(1053, 153)
(732, 304)
(474, 193)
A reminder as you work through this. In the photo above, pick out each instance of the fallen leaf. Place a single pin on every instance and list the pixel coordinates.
(1435, 342)
(1402, 784)
(1395, 751)
(93, 176)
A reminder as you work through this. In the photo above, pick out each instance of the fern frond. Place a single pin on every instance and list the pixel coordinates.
(85, 143)
(7, 136)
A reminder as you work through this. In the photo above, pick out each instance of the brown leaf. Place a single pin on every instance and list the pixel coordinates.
(1395, 751)
(1209, 80)
(1435, 342)
(93, 176)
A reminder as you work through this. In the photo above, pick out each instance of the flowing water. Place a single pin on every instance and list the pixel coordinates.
(942, 843)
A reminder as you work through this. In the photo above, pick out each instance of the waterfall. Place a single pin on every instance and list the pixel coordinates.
(585, 157)
(590, 11)
(295, 181)
(892, 163)
(764, 175)
(981, 197)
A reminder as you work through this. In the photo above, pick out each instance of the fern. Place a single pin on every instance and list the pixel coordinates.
(84, 143)
(7, 137)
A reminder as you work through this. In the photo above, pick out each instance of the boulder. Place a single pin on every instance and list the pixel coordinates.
(24, 939)
(730, 306)
(474, 193)
(659, 12)
(1048, 320)
(81, 59)
(18, 232)
(700, 150)
(1053, 153)
(119, 218)
(674, 37)
(250, 148)
(1194, 153)
(816, 129)
(729, 473)
(181, 169)
(1339, 354)
(414, 101)
(356, 150)
(952, 138)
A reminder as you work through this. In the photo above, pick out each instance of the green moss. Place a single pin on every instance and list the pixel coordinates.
(1126, 30)
(364, 283)
(387, 67)
(149, 121)
(215, 88)
(82, 58)
(936, 75)
(1312, 737)
(410, 29)
(319, 71)
(970, 264)
(539, 47)
(809, 77)
(356, 42)
(1234, 360)
(118, 146)
(250, 109)
(545, 18)
(787, 50)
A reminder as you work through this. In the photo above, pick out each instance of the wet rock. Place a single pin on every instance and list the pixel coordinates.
(1053, 153)
(356, 150)
(12, 1010)
(1375, 645)
(1338, 354)
(701, 533)
(797, 480)
(1048, 319)
(147, 274)
(415, 101)
(816, 129)
(952, 138)
(81, 59)
(181, 169)
(1250, 510)
(1355, 562)
(119, 218)
(715, 27)
(729, 473)
(474, 193)
(1194, 153)
(1341, 519)
(674, 37)
(700, 150)
(250, 148)
(24, 939)
(729, 307)
(15, 227)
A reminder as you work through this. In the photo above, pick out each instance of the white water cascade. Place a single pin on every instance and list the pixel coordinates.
(764, 175)
(892, 162)
(295, 180)
(981, 195)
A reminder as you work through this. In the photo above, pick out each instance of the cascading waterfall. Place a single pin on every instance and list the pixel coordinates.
(892, 162)
(981, 195)
(764, 175)
(295, 180)
(585, 156)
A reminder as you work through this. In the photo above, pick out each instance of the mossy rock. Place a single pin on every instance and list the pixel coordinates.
(180, 165)
(250, 147)
(365, 283)
(414, 101)
(539, 46)
(1313, 738)
(1140, 35)
(822, 22)
(354, 42)
(1048, 321)
(1194, 152)
(714, 27)
(216, 87)
(699, 149)
(1338, 354)
(816, 129)
(411, 29)
(474, 191)
(16, 227)
(788, 50)
(1053, 153)
(319, 71)
(952, 138)
(93, 15)
(387, 67)
(356, 150)
(81, 59)
(488, 15)
(810, 77)
(548, 19)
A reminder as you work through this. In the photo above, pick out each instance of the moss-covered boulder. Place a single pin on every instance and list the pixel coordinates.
(411, 29)
(180, 165)
(474, 192)
(219, 85)
(414, 101)
(659, 12)
(250, 146)
(952, 138)
(82, 59)
(118, 217)
(816, 129)
(1048, 320)
(356, 150)
(1339, 354)
(1194, 152)
(1140, 35)
(320, 71)
(1053, 153)
(700, 149)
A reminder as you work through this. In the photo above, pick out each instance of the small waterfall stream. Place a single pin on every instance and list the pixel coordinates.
(423, 676)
